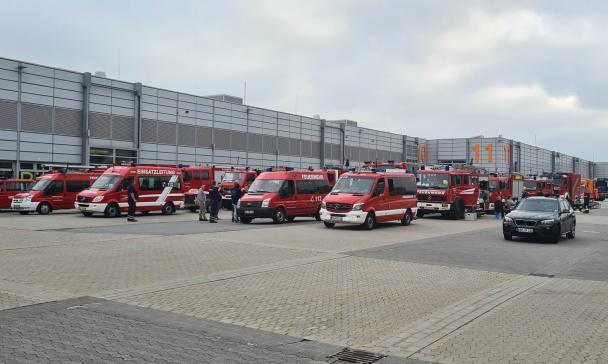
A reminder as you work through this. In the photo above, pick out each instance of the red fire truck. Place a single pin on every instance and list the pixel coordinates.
(194, 178)
(509, 186)
(448, 192)
(385, 166)
(9, 188)
(284, 195)
(228, 176)
(55, 190)
(159, 189)
(565, 185)
(537, 187)
(368, 197)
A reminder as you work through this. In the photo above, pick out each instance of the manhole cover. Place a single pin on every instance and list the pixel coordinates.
(357, 356)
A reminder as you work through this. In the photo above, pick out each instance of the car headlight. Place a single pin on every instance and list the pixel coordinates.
(266, 202)
(548, 222)
(508, 219)
(323, 205)
(98, 198)
(27, 199)
(358, 206)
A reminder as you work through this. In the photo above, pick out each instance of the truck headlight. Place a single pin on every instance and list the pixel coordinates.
(266, 202)
(358, 206)
(27, 199)
(98, 198)
(547, 222)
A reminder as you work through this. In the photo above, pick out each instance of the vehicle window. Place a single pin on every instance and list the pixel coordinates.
(106, 181)
(380, 186)
(41, 184)
(55, 187)
(77, 186)
(565, 205)
(312, 187)
(156, 183)
(410, 186)
(331, 177)
(187, 176)
(354, 185)
(233, 177)
(288, 189)
(544, 205)
(456, 180)
(266, 186)
(125, 184)
(250, 178)
(396, 186)
(13, 186)
(433, 180)
(492, 186)
(474, 180)
(204, 174)
(1, 187)
(196, 175)
(465, 180)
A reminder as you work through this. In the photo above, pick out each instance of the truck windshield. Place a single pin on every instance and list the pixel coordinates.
(354, 185)
(544, 205)
(266, 185)
(530, 185)
(492, 186)
(41, 184)
(106, 181)
(232, 177)
(433, 180)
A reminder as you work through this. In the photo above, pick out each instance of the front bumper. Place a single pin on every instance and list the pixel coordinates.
(90, 207)
(541, 231)
(351, 217)
(433, 206)
(20, 205)
(255, 212)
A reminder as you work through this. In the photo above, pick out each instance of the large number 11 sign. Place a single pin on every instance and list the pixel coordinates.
(477, 153)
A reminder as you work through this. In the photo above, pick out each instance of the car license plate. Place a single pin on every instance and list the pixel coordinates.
(248, 212)
(336, 218)
(525, 230)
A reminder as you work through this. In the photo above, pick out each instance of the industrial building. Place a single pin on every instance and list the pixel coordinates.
(52, 115)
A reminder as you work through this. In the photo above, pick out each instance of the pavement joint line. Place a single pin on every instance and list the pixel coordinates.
(86, 241)
(441, 323)
(218, 276)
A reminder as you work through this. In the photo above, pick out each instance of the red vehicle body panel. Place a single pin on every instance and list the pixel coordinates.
(457, 192)
(158, 187)
(59, 192)
(391, 202)
(9, 188)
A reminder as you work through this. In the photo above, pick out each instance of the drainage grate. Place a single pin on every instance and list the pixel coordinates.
(357, 356)
(542, 275)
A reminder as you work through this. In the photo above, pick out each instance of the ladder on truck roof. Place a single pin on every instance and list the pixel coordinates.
(73, 167)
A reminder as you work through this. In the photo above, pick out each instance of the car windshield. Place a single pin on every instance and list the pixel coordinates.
(266, 185)
(41, 184)
(543, 205)
(530, 185)
(232, 177)
(354, 185)
(433, 180)
(106, 181)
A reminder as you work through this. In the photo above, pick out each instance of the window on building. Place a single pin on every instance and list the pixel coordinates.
(108, 156)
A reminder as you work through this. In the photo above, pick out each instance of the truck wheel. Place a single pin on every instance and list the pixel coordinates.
(87, 214)
(112, 210)
(44, 208)
(192, 208)
(329, 224)
(279, 216)
(168, 209)
(246, 220)
(458, 212)
(370, 221)
(407, 218)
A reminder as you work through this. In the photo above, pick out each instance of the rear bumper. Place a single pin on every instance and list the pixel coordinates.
(351, 217)
(24, 206)
(255, 212)
(433, 206)
(540, 231)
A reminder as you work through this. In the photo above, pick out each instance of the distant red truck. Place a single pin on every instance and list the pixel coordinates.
(9, 188)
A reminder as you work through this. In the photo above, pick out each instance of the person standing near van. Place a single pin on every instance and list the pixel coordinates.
(498, 207)
(201, 198)
(235, 196)
(132, 196)
(215, 199)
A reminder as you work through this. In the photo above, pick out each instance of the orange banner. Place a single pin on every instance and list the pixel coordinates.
(476, 153)
(490, 155)
(507, 153)
(421, 153)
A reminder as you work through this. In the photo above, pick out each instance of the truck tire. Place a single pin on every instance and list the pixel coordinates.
(407, 218)
(458, 211)
(44, 208)
(279, 216)
(168, 209)
(329, 224)
(112, 210)
(370, 221)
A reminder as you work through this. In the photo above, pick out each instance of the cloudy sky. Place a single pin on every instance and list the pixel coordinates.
(433, 69)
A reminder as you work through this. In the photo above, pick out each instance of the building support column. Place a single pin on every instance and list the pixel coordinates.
(86, 134)
(343, 143)
(137, 132)
(322, 151)
(404, 148)
(17, 171)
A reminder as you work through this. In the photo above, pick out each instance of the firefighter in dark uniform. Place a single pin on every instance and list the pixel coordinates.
(132, 200)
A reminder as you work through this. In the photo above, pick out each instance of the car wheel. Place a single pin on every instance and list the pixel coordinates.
(112, 210)
(329, 224)
(246, 220)
(572, 234)
(407, 218)
(279, 216)
(508, 236)
(370, 221)
(44, 208)
(168, 209)
(87, 214)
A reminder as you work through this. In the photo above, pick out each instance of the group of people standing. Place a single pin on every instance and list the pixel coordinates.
(214, 200)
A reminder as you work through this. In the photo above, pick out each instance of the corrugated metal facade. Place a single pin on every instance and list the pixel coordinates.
(159, 126)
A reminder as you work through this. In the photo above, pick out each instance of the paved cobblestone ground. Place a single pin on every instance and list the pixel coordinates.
(348, 301)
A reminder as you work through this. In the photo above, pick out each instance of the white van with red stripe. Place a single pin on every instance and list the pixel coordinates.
(159, 189)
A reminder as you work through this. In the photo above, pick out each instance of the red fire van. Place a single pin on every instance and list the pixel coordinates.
(9, 188)
(368, 197)
(159, 189)
(284, 195)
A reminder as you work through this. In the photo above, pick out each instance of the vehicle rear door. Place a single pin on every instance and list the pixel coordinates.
(397, 203)
(566, 215)
(5, 202)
